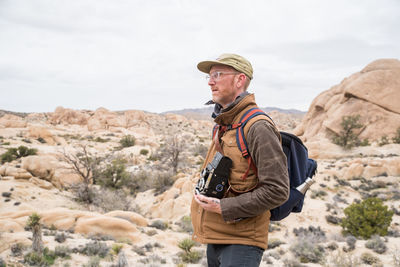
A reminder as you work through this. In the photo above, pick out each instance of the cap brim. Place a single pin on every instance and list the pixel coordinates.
(205, 66)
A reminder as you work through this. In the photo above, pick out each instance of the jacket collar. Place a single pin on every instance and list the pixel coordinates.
(227, 115)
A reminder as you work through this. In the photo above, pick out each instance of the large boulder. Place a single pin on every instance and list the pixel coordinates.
(103, 119)
(69, 116)
(105, 225)
(12, 121)
(43, 133)
(373, 93)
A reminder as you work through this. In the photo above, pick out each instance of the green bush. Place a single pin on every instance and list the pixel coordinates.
(187, 255)
(33, 220)
(367, 218)
(16, 153)
(114, 175)
(46, 258)
(369, 259)
(347, 138)
(396, 138)
(384, 141)
(308, 251)
(95, 249)
(116, 248)
(62, 252)
(127, 141)
(101, 140)
(35, 259)
(144, 152)
(376, 244)
(41, 140)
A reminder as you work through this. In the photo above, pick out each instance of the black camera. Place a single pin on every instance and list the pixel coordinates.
(213, 180)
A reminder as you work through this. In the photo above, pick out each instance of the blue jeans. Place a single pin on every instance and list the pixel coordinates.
(219, 255)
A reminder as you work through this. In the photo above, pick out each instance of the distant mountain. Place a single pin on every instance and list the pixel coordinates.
(205, 113)
(20, 114)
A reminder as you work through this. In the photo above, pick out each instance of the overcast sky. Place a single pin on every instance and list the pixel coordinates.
(121, 54)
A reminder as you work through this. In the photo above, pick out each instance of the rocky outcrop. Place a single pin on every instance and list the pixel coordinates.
(88, 223)
(37, 132)
(373, 93)
(50, 169)
(12, 121)
(69, 116)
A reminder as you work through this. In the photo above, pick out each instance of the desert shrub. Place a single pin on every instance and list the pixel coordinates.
(162, 182)
(307, 251)
(159, 225)
(396, 138)
(376, 244)
(95, 249)
(171, 152)
(127, 141)
(139, 250)
(46, 258)
(41, 140)
(274, 242)
(145, 180)
(384, 141)
(151, 232)
(364, 142)
(188, 255)
(314, 234)
(35, 259)
(16, 153)
(396, 257)
(114, 175)
(369, 259)
(185, 224)
(144, 152)
(101, 140)
(318, 193)
(332, 219)
(62, 252)
(60, 237)
(292, 263)
(347, 138)
(109, 200)
(116, 248)
(16, 249)
(367, 218)
(332, 246)
(200, 149)
(84, 164)
(93, 262)
(341, 259)
(274, 226)
(351, 243)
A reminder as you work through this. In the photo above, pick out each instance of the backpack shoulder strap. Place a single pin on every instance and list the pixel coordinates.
(240, 133)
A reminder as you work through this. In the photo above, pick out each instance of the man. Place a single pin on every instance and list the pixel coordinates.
(235, 228)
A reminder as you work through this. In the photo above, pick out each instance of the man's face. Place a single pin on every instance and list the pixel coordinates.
(223, 89)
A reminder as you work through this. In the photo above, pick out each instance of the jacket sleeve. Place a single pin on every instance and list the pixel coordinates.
(273, 190)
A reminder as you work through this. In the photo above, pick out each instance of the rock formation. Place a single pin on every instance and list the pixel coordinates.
(373, 93)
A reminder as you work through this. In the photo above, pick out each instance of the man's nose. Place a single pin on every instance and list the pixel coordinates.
(211, 81)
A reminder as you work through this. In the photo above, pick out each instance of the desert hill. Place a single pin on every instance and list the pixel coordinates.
(140, 196)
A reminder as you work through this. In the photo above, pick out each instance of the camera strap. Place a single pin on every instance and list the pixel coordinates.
(220, 130)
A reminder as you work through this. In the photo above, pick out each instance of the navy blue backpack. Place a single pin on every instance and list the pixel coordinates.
(300, 167)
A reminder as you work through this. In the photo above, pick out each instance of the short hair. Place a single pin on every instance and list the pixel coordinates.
(247, 82)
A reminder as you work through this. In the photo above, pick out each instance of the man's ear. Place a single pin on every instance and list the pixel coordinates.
(241, 80)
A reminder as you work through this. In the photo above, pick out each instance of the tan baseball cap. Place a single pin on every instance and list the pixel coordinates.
(237, 62)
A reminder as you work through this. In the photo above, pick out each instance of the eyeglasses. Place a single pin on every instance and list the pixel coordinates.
(215, 75)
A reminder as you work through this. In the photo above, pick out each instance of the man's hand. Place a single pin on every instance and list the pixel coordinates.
(208, 203)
